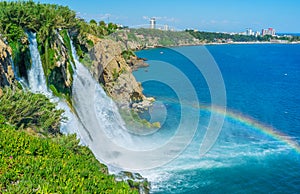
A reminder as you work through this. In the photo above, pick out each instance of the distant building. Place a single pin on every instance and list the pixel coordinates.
(152, 23)
(166, 27)
(257, 33)
(249, 32)
(269, 31)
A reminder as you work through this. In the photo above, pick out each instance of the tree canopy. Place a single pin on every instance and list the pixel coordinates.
(15, 17)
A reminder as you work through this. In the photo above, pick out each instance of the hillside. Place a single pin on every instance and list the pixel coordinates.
(135, 39)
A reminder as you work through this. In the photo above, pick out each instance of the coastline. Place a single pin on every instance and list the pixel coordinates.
(257, 42)
(213, 43)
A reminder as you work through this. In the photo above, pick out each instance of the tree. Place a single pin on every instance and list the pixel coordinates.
(93, 22)
(102, 24)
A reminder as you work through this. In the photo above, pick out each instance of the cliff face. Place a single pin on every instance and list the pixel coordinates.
(111, 70)
(61, 70)
(6, 70)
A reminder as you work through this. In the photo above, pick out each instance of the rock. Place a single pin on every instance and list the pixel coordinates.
(61, 75)
(6, 71)
(136, 63)
(135, 180)
(112, 70)
(141, 106)
(63, 61)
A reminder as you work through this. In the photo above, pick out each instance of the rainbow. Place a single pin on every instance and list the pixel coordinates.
(254, 124)
(245, 120)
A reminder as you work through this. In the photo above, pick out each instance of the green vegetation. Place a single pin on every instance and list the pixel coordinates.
(116, 74)
(49, 21)
(27, 110)
(208, 37)
(99, 30)
(295, 38)
(51, 163)
(154, 37)
(135, 123)
(16, 17)
(86, 36)
(67, 42)
(86, 60)
(31, 164)
(127, 54)
(21, 56)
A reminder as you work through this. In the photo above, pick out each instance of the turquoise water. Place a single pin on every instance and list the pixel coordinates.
(263, 92)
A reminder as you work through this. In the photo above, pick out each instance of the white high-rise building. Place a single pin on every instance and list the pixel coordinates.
(166, 27)
(257, 33)
(152, 23)
(249, 32)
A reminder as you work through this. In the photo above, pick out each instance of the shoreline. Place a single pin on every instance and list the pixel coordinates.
(257, 42)
(213, 43)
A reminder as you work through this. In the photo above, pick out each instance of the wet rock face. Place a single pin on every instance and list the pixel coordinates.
(6, 70)
(136, 63)
(61, 70)
(135, 180)
(111, 70)
(62, 62)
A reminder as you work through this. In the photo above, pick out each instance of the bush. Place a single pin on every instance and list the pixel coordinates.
(27, 110)
(30, 164)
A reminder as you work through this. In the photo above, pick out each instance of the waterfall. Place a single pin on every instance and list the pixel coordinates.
(37, 84)
(96, 121)
(36, 77)
(98, 113)
(73, 51)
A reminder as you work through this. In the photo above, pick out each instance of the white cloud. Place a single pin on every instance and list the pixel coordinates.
(146, 18)
(102, 16)
(162, 18)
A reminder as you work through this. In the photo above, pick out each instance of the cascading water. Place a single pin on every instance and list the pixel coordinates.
(36, 77)
(73, 51)
(96, 114)
(37, 84)
(97, 122)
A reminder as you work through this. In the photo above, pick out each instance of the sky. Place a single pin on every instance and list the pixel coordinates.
(208, 15)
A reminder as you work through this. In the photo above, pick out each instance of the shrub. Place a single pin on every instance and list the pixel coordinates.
(27, 110)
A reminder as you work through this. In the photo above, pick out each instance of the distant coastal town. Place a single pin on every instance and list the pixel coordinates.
(249, 35)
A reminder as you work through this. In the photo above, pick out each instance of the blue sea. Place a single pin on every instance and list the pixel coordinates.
(291, 34)
(257, 149)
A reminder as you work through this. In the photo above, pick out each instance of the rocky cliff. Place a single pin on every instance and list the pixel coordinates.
(6, 70)
(61, 72)
(115, 73)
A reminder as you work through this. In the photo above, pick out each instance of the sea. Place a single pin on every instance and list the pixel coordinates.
(241, 103)
(291, 34)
